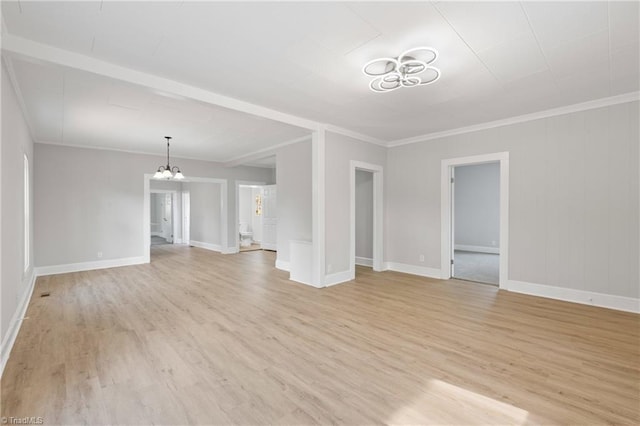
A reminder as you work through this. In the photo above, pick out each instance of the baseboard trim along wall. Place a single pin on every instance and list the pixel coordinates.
(620, 303)
(478, 249)
(88, 266)
(206, 246)
(364, 261)
(422, 271)
(338, 278)
(282, 265)
(16, 323)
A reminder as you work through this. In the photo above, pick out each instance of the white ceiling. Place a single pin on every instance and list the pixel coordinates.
(72, 107)
(498, 60)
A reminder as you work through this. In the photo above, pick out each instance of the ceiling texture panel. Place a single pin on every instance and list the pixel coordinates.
(304, 59)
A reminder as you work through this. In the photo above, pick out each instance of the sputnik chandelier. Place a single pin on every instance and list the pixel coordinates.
(168, 172)
(411, 69)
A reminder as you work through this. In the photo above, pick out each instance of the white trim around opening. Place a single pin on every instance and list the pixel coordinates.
(239, 183)
(378, 221)
(146, 213)
(446, 211)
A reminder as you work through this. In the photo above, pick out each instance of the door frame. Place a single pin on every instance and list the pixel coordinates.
(237, 221)
(446, 212)
(146, 212)
(174, 212)
(186, 216)
(378, 214)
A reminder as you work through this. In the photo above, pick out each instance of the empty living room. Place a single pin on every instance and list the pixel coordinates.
(297, 213)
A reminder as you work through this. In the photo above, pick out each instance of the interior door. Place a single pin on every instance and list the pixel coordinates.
(269, 218)
(167, 216)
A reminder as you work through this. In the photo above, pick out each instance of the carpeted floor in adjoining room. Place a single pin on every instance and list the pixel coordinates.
(479, 267)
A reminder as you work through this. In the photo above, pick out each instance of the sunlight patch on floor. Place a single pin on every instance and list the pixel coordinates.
(444, 403)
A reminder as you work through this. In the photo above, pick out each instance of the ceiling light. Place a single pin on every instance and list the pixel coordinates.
(412, 68)
(168, 172)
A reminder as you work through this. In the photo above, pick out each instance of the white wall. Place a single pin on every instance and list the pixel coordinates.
(15, 282)
(340, 150)
(90, 200)
(205, 212)
(477, 206)
(574, 189)
(293, 177)
(364, 214)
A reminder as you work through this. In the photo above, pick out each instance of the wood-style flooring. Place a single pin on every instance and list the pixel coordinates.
(196, 337)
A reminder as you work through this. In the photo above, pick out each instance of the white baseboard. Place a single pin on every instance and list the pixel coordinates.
(88, 266)
(206, 246)
(231, 250)
(478, 249)
(16, 322)
(267, 246)
(620, 303)
(157, 234)
(282, 265)
(338, 278)
(364, 261)
(423, 271)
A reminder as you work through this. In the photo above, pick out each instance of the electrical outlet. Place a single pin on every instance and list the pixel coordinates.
(99, 255)
(422, 258)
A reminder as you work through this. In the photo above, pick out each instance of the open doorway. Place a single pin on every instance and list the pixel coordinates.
(451, 256)
(162, 217)
(198, 213)
(375, 230)
(250, 212)
(364, 218)
(476, 222)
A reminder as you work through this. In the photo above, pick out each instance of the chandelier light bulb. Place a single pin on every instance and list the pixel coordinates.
(168, 172)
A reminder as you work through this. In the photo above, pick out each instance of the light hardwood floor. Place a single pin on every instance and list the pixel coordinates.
(198, 337)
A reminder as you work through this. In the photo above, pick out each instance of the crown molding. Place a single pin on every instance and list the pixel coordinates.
(568, 109)
(126, 151)
(266, 152)
(355, 135)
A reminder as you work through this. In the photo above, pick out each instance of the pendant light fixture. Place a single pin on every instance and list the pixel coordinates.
(411, 69)
(168, 172)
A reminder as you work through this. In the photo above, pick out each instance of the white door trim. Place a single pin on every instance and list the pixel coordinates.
(378, 211)
(318, 213)
(446, 211)
(146, 212)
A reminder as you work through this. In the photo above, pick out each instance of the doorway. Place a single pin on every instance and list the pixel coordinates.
(472, 255)
(364, 218)
(476, 222)
(250, 212)
(190, 201)
(162, 217)
(376, 229)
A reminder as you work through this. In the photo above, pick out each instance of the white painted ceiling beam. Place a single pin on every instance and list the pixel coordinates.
(50, 54)
(267, 152)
